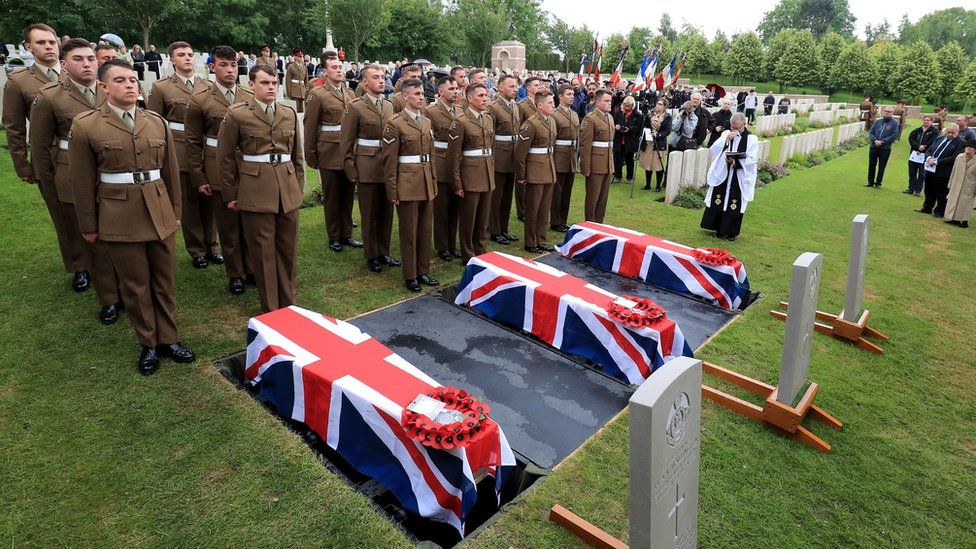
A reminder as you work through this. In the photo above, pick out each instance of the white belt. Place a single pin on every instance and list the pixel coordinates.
(129, 178)
(273, 159)
(330, 127)
(63, 144)
(476, 152)
(211, 141)
(540, 150)
(505, 138)
(368, 142)
(565, 143)
(176, 126)
(413, 159)
(602, 144)
(440, 144)
(293, 81)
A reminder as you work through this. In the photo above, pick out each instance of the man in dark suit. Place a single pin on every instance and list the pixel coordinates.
(938, 167)
(704, 118)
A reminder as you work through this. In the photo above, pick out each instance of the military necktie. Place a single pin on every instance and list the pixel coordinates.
(90, 96)
(52, 75)
(416, 119)
(129, 121)
(230, 96)
(379, 106)
(189, 85)
(271, 113)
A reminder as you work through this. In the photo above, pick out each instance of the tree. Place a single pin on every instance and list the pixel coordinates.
(917, 75)
(887, 57)
(353, 22)
(666, 29)
(878, 33)
(482, 24)
(798, 65)
(941, 27)
(744, 59)
(952, 63)
(569, 41)
(828, 51)
(854, 70)
(415, 28)
(144, 14)
(777, 45)
(698, 56)
(966, 88)
(818, 16)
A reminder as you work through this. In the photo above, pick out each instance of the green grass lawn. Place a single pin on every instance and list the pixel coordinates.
(93, 454)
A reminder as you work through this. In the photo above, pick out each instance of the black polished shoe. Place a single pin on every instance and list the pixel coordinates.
(428, 280)
(374, 265)
(456, 252)
(869, 185)
(445, 256)
(389, 261)
(545, 248)
(335, 246)
(355, 225)
(565, 228)
(216, 258)
(510, 237)
(199, 262)
(559, 228)
(236, 286)
(964, 225)
(533, 249)
(148, 361)
(908, 191)
(520, 217)
(731, 239)
(109, 314)
(922, 211)
(412, 285)
(499, 239)
(951, 222)
(351, 242)
(177, 351)
(81, 282)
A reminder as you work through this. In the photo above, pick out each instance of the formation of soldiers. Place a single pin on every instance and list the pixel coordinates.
(227, 165)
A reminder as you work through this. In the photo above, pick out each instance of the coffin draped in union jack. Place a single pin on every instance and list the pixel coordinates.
(352, 390)
(658, 262)
(567, 313)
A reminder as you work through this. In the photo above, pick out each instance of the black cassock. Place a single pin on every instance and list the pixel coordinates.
(726, 219)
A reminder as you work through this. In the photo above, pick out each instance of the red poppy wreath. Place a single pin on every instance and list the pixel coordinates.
(444, 436)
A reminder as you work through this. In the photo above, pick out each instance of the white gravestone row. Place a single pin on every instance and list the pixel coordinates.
(764, 151)
(805, 143)
(665, 457)
(773, 122)
(686, 169)
(847, 132)
(804, 290)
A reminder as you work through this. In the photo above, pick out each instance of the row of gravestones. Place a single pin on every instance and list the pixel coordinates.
(831, 116)
(846, 132)
(805, 143)
(828, 107)
(773, 122)
(690, 168)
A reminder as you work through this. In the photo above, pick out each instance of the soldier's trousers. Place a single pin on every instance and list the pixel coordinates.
(538, 201)
(562, 192)
(377, 217)
(197, 221)
(416, 218)
(339, 195)
(299, 105)
(475, 210)
(447, 210)
(97, 261)
(146, 276)
(520, 201)
(272, 243)
(70, 241)
(501, 203)
(231, 231)
(597, 190)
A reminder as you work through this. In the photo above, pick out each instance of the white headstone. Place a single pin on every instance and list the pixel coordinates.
(804, 290)
(688, 167)
(856, 265)
(674, 176)
(702, 163)
(665, 455)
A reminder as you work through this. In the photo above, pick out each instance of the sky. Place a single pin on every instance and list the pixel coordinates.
(610, 16)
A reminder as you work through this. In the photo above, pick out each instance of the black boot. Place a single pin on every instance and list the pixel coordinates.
(658, 176)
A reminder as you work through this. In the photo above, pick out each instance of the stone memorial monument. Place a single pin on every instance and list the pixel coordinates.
(508, 56)
(804, 290)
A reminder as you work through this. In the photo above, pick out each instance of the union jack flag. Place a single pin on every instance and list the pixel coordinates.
(656, 261)
(351, 390)
(568, 314)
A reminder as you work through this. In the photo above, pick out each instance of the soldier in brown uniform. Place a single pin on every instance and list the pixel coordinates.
(126, 186)
(474, 175)
(359, 144)
(474, 76)
(323, 125)
(54, 110)
(265, 183)
(527, 108)
(900, 115)
(443, 115)
(170, 98)
(567, 137)
(507, 119)
(203, 118)
(411, 182)
(296, 80)
(406, 73)
(596, 156)
(265, 59)
(18, 96)
(867, 112)
(535, 169)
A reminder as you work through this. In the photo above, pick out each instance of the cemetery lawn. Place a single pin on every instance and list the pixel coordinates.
(93, 454)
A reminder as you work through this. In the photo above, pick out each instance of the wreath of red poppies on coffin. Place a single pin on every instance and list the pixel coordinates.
(714, 256)
(644, 313)
(444, 436)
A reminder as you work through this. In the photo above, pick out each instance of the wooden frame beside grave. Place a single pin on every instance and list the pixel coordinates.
(852, 332)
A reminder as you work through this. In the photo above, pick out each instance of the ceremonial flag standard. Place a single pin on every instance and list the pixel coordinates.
(663, 78)
(651, 68)
(641, 79)
(579, 77)
(596, 47)
(615, 77)
(599, 65)
(677, 72)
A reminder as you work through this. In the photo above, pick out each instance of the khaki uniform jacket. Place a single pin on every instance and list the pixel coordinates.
(405, 137)
(101, 142)
(203, 119)
(536, 132)
(899, 115)
(867, 110)
(326, 106)
(18, 95)
(363, 121)
(567, 129)
(596, 126)
(527, 108)
(270, 62)
(296, 80)
(508, 120)
(261, 186)
(447, 137)
(170, 99)
(55, 109)
(475, 173)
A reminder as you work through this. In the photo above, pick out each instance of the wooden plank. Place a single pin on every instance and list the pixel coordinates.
(819, 414)
(586, 532)
(754, 386)
(732, 403)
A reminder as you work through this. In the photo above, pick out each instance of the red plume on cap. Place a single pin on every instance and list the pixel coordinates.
(298, 52)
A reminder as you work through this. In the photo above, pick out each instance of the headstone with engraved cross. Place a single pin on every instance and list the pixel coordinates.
(804, 291)
(665, 452)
